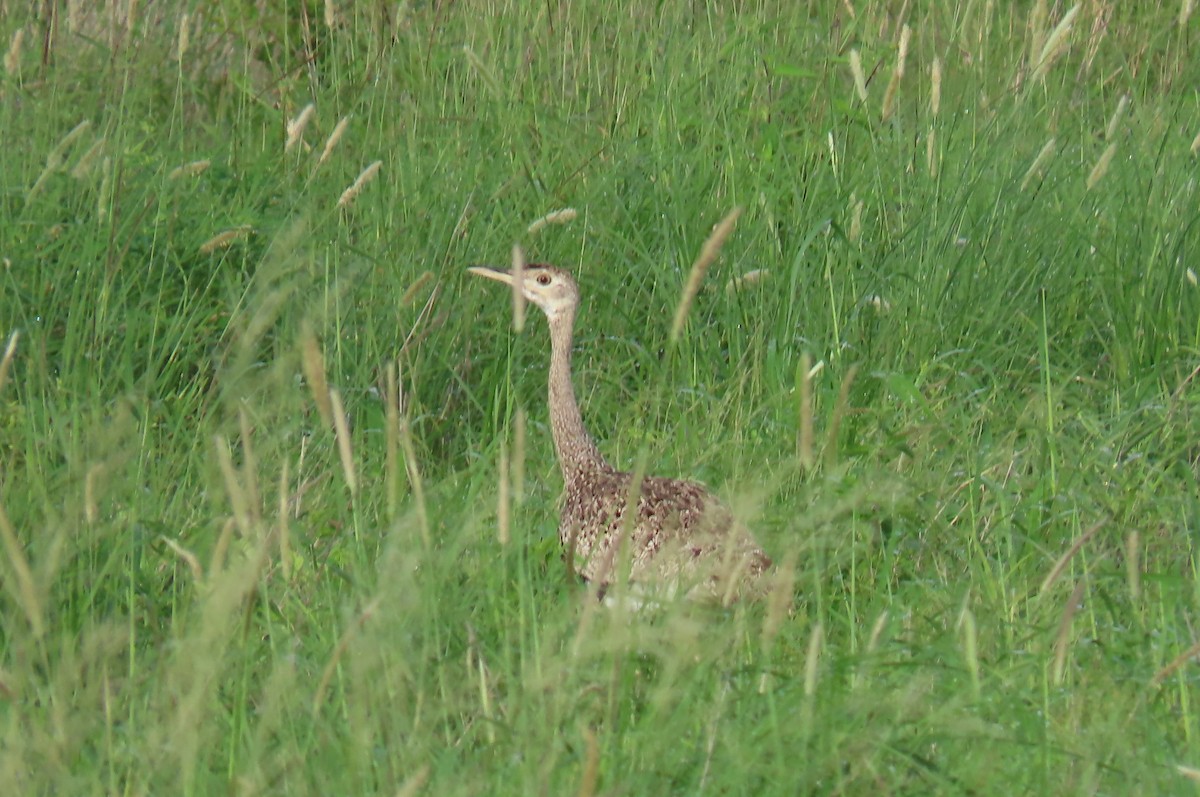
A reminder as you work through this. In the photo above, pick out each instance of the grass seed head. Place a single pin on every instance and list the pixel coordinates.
(12, 58)
(351, 193)
(334, 138)
(860, 78)
(295, 128)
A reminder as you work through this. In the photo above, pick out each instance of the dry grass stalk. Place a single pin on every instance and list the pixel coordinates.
(12, 58)
(249, 465)
(1185, 12)
(391, 397)
(104, 195)
(502, 500)
(752, 277)
(804, 442)
(27, 592)
(562, 216)
(224, 239)
(889, 97)
(1063, 560)
(6, 361)
(343, 643)
(338, 131)
(1037, 29)
(1191, 773)
(1035, 168)
(332, 17)
(591, 764)
(341, 427)
(856, 212)
(812, 659)
(91, 511)
(295, 128)
(1174, 664)
(282, 529)
(931, 161)
(1062, 640)
(518, 298)
(312, 363)
(233, 487)
(351, 193)
(708, 253)
(189, 169)
(1055, 44)
(840, 410)
(860, 77)
(1101, 167)
(518, 463)
(188, 557)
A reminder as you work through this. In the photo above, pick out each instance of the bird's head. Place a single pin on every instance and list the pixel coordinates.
(550, 288)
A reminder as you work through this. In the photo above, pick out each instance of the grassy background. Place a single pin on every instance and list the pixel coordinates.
(210, 587)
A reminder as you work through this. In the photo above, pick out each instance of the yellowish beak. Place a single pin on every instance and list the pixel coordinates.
(492, 273)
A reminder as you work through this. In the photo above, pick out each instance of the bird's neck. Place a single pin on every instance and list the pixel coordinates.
(577, 453)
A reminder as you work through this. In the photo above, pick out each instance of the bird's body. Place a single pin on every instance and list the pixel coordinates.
(669, 534)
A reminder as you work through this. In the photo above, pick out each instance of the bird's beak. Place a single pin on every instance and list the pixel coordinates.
(492, 273)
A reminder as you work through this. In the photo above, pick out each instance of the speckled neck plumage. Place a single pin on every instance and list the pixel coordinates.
(577, 453)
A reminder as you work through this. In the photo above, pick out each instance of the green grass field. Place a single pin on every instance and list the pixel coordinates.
(262, 438)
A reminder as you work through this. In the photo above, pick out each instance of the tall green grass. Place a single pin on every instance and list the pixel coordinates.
(256, 423)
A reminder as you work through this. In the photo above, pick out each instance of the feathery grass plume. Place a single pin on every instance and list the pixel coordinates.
(860, 78)
(1062, 640)
(966, 623)
(1061, 564)
(87, 161)
(889, 97)
(485, 74)
(341, 427)
(332, 18)
(502, 499)
(561, 216)
(935, 87)
(856, 211)
(368, 174)
(1101, 167)
(1111, 130)
(812, 659)
(12, 58)
(752, 277)
(189, 169)
(10, 350)
(182, 45)
(1133, 565)
(391, 397)
(1185, 11)
(54, 160)
(189, 558)
(312, 363)
(1055, 44)
(779, 600)
(340, 650)
(1037, 30)
(1035, 168)
(104, 195)
(27, 592)
(1189, 274)
(708, 253)
(412, 290)
(518, 296)
(90, 509)
(249, 466)
(833, 155)
(849, 9)
(223, 239)
(338, 131)
(295, 127)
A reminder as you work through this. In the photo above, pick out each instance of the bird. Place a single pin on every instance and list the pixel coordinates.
(673, 536)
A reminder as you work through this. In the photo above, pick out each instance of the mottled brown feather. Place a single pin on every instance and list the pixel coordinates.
(681, 537)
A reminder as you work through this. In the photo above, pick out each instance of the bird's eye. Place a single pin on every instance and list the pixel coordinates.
(543, 279)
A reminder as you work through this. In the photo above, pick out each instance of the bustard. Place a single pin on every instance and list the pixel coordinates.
(681, 536)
